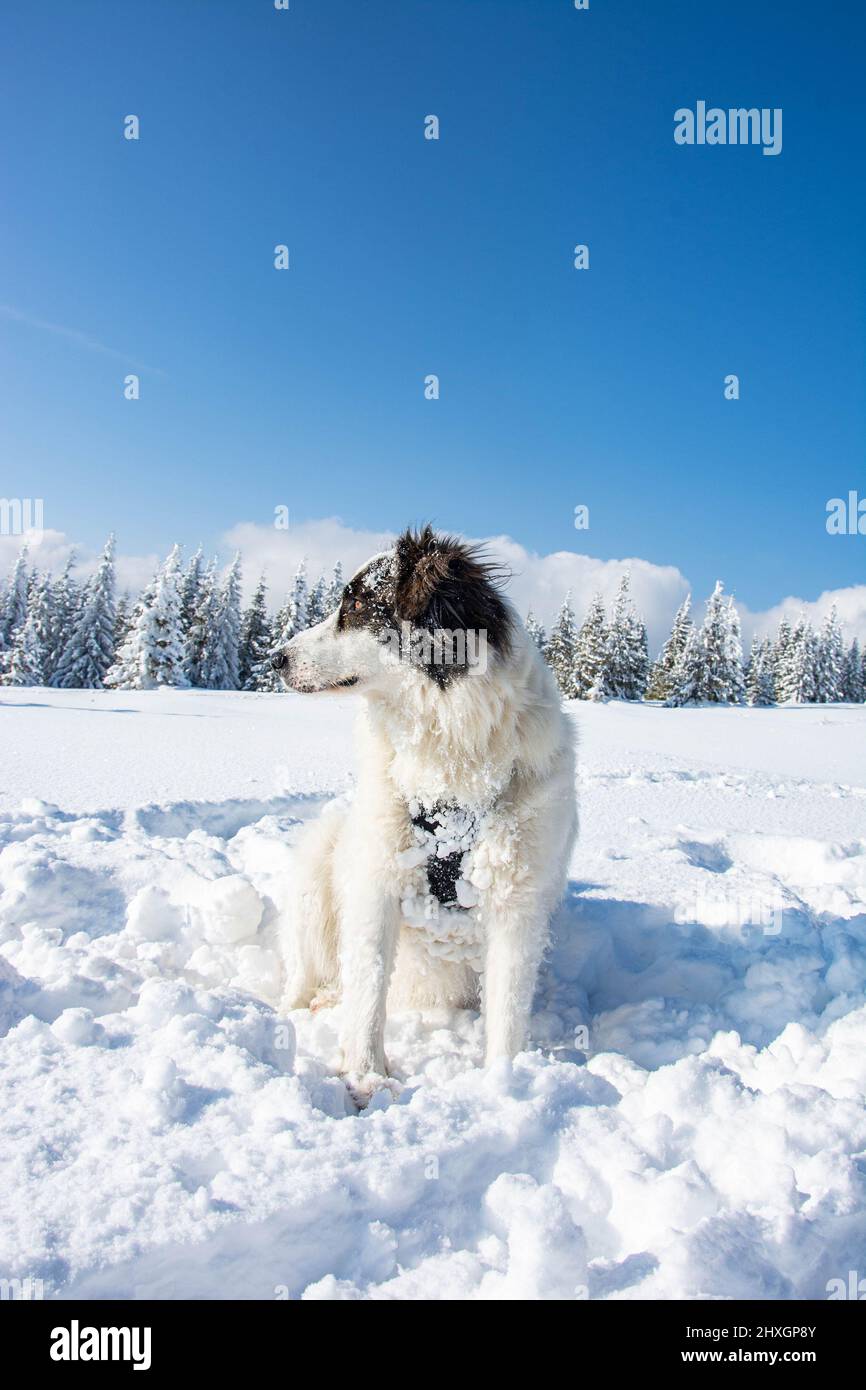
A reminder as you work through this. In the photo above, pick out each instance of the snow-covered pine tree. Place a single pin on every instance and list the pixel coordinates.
(122, 619)
(190, 590)
(282, 631)
(853, 686)
(663, 673)
(798, 672)
(290, 619)
(66, 595)
(623, 673)
(711, 667)
(334, 591)
(781, 657)
(559, 652)
(25, 658)
(689, 673)
(255, 640)
(220, 654)
(759, 676)
(298, 600)
(722, 652)
(589, 650)
(13, 612)
(153, 653)
(30, 645)
(89, 650)
(829, 660)
(535, 631)
(734, 678)
(316, 611)
(200, 623)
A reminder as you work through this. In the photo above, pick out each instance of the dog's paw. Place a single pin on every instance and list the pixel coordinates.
(362, 1086)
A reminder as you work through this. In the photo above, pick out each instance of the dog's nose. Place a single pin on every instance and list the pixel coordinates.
(279, 661)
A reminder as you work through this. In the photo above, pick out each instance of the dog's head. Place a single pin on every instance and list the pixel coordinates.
(432, 603)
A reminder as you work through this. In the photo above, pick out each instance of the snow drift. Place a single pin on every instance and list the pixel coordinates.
(688, 1123)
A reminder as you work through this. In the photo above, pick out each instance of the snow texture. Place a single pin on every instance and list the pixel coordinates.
(688, 1122)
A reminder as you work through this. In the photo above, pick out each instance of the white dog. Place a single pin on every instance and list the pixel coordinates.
(442, 872)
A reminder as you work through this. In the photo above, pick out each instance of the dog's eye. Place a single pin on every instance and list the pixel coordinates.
(358, 605)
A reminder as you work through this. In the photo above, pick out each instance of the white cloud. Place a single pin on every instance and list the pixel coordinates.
(321, 543)
(850, 606)
(49, 551)
(540, 582)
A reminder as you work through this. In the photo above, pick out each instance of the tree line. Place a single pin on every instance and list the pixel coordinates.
(188, 628)
(607, 658)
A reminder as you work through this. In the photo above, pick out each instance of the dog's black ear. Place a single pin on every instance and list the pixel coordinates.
(422, 565)
(444, 583)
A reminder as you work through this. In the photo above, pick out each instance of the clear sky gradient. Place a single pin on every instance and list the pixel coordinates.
(410, 257)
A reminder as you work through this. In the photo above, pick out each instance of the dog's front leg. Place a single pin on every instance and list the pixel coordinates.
(369, 940)
(515, 945)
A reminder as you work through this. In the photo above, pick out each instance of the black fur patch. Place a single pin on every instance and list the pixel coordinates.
(442, 873)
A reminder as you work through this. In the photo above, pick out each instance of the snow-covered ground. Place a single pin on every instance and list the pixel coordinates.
(688, 1123)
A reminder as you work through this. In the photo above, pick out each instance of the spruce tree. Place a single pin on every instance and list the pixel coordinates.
(26, 656)
(298, 600)
(711, 667)
(13, 612)
(663, 674)
(334, 592)
(122, 620)
(734, 679)
(589, 651)
(829, 660)
(689, 674)
(219, 666)
(623, 674)
(759, 676)
(722, 665)
(89, 649)
(853, 685)
(153, 653)
(200, 623)
(255, 640)
(190, 591)
(26, 659)
(560, 649)
(797, 676)
(64, 609)
(316, 611)
(780, 657)
(535, 631)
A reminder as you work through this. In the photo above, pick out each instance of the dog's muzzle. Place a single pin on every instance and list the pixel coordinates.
(280, 661)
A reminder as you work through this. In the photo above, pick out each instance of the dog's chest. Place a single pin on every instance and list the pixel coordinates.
(436, 895)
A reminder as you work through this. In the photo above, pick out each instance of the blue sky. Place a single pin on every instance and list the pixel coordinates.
(410, 257)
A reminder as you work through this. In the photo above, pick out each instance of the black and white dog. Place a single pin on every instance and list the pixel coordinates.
(441, 874)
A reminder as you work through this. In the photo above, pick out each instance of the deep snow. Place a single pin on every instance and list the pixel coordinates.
(689, 1121)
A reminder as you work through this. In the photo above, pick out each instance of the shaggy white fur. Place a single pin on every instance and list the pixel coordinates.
(497, 746)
